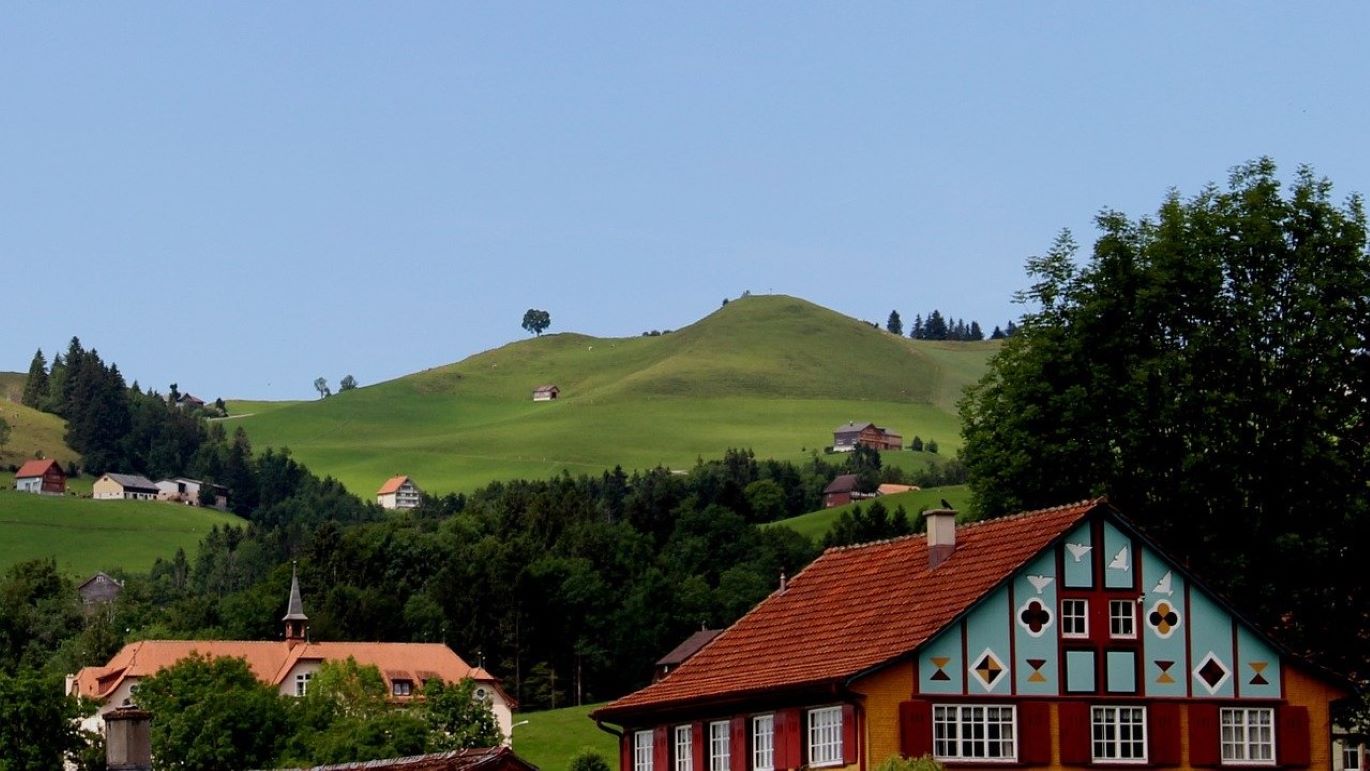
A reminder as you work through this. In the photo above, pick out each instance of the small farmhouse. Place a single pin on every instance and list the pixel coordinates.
(100, 588)
(546, 393)
(399, 492)
(1050, 639)
(188, 402)
(44, 477)
(840, 491)
(131, 487)
(187, 491)
(852, 435)
(288, 665)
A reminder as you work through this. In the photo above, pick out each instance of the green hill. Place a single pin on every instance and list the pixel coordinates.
(31, 432)
(549, 739)
(816, 524)
(772, 373)
(87, 535)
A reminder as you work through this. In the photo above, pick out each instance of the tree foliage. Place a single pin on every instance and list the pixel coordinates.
(894, 325)
(1208, 369)
(37, 723)
(36, 384)
(536, 321)
(347, 383)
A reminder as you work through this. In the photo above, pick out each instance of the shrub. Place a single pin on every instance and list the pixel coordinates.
(901, 763)
(589, 760)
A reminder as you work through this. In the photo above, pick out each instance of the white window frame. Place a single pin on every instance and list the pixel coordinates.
(1130, 619)
(957, 727)
(720, 754)
(402, 688)
(1110, 716)
(642, 751)
(684, 748)
(763, 743)
(825, 736)
(1352, 756)
(1235, 728)
(1069, 619)
(302, 683)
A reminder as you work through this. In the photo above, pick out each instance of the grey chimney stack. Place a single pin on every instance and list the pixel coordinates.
(941, 526)
(128, 743)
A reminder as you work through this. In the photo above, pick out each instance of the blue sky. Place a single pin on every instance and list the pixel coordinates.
(243, 197)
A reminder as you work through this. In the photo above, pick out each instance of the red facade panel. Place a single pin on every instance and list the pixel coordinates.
(625, 752)
(697, 745)
(787, 739)
(1292, 740)
(738, 756)
(1034, 740)
(915, 728)
(1075, 733)
(661, 749)
(1204, 751)
(849, 735)
(1163, 733)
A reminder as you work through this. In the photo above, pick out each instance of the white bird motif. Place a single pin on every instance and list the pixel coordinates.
(1120, 560)
(1163, 585)
(1078, 550)
(1040, 582)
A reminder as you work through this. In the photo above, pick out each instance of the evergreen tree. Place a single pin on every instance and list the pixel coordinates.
(1011, 329)
(997, 334)
(36, 385)
(894, 325)
(936, 326)
(917, 332)
(976, 333)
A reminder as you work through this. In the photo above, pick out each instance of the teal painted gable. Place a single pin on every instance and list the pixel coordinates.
(987, 645)
(1258, 667)
(1116, 558)
(1035, 633)
(939, 663)
(1210, 646)
(1079, 562)
(1164, 628)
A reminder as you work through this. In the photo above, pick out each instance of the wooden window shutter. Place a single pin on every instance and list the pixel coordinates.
(1163, 733)
(661, 748)
(1204, 750)
(1292, 740)
(1076, 732)
(787, 739)
(738, 756)
(849, 735)
(699, 747)
(1034, 733)
(625, 752)
(915, 728)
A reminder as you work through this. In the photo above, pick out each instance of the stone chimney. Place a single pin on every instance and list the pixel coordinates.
(941, 526)
(128, 743)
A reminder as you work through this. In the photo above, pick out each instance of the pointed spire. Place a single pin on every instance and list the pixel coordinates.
(294, 610)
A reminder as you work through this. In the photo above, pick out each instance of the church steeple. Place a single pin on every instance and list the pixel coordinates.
(296, 622)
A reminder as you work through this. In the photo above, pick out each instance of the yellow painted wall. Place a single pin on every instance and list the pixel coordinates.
(884, 690)
(1304, 690)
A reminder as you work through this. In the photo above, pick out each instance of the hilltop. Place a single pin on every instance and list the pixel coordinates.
(772, 373)
(31, 431)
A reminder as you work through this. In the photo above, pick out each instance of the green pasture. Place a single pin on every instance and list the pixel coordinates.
(774, 374)
(31, 432)
(551, 738)
(86, 535)
(816, 524)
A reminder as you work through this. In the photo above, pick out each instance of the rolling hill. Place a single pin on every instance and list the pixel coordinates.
(31, 432)
(816, 524)
(772, 373)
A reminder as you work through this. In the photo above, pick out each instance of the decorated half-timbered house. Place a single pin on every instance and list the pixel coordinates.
(1050, 639)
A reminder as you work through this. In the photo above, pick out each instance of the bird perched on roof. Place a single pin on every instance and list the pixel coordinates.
(946, 504)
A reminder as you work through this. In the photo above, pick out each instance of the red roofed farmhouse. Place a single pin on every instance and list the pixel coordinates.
(290, 664)
(41, 476)
(399, 492)
(1051, 639)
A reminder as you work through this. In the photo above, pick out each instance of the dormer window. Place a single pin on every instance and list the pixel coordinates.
(402, 688)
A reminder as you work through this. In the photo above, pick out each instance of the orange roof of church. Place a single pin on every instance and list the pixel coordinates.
(392, 484)
(853, 609)
(272, 662)
(35, 468)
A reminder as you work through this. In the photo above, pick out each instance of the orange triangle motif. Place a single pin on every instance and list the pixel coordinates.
(1165, 678)
(1036, 677)
(940, 661)
(1259, 666)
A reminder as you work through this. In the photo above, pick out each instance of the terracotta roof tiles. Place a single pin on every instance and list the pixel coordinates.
(35, 468)
(392, 484)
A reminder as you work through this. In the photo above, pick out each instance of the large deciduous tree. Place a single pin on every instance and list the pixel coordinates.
(1209, 370)
(536, 321)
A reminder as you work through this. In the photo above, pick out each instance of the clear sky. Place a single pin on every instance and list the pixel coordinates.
(242, 197)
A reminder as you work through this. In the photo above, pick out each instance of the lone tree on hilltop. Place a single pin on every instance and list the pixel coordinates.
(348, 383)
(895, 325)
(536, 321)
(321, 385)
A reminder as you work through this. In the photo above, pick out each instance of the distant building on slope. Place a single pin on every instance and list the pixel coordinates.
(130, 487)
(682, 652)
(546, 393)
(840, 491)
(44, 477)
(187, 491)
(399, 492)
(848, 437)
(100, 588)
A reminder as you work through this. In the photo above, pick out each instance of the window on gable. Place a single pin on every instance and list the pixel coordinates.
(402, 688)
(1122, 619)
(1075, 618)
(972, 732)
(1248, 735)
(763, 743)
(719, 756)
(642, 751)
(302, 683)
(1119, 734)
(825, 736)
(684, 748)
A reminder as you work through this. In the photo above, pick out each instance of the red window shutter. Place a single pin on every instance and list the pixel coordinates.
(698, 745)
(849, 735)
(1034, 733)
(915, 728)
(1163, 733)
(738, 756)
(625, 752)
(1076, 731)
(1292, 740)
(661, 749)
(1204, 749)
(787, 739)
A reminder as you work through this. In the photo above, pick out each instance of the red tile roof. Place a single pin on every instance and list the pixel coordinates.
(481, 759)
(35, 468)
(392, 485)
(853, 609)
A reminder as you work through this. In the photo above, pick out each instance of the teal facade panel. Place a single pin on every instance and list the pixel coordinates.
(1078, 553)
(1258, 667)
(1164, 628)
(1121, 668)
(1210, 647)
(988, 667)
(1035, 628)
(1080, 672)
(940, 669)
(1117, 558)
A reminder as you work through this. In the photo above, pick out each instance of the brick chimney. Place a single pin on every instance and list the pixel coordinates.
(941, 526)
(128, 744)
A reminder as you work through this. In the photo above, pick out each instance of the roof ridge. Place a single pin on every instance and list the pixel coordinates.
(976, 523)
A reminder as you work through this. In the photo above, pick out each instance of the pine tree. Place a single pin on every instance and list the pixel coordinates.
(894, 325)
(976, 333)
(36, 385)
(917, 332)
(997, 334)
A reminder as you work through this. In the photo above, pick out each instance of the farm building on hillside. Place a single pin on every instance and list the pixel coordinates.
(852, 435)
(679, 654)
(546, 393)
(289, 664)
(892, 489)
(100, 588)
(1051, 639)
(44, 477)
(187, 491)
(131, 487)
(840, 491)
(188, 402)
(399, 492)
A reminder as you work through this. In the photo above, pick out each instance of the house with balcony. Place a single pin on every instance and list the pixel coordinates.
(399, 492)
(1058, 638)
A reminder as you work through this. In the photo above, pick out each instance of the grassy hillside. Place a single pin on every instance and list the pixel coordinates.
(87, 535)
(773, 373)
(816, 524)
(549, 739)
(31, 431)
